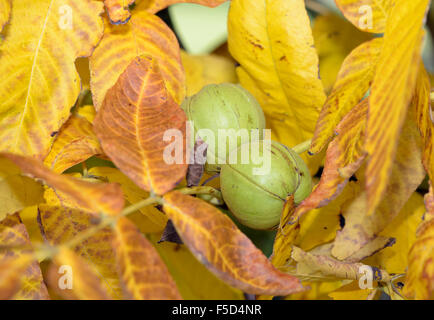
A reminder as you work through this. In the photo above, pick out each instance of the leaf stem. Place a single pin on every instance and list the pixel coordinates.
(106, 220)
(302, 147)
(202, 190)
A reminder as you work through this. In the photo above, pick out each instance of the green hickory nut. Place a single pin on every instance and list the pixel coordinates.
(218, 108)
(257, 200)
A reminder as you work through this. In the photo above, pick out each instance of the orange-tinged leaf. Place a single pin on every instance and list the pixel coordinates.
(144, 34)
(31, 285)
(132, 123)
(143, 273)
(334, 39)
(74, 144)
(352, 84)
(153, 219)
(118, 10)
(193, 279)
(94, 197)
(392, 90)
(345, 151)
(216, 242)
(11, 272)
(367, 15)
(407, 174)
(425, 121)
(419, 283)
(5, 10)
(153, 6)
(272, 41)
(85, 283)
(60, 224)
(40, 82)
(201, 70)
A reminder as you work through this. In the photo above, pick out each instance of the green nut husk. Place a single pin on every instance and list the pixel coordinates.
(257, 200)
(223, 106)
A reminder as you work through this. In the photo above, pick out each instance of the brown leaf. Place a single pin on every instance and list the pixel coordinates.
(132, 122)
(94, 197)
(169, 234)
(196, 169)
(216, 242)
(143, 273)
(85, 283)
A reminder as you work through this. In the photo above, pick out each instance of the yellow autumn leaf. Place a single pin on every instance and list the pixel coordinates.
(153, 219)
(31, 286)
(367, 15)
(403, 229)
(407, 174)
(87, 111)
(272, 41)
(75, 143)
(392, 89)
(424, 115)
(16, 191)
(145, 34)
(419, 282)
(11, 270)
(85, 286)
(194, 280)
(5, 10)
(352, 84)
(350, 291)
(144, 275)
(201, 70)
(40, 82)
(60, 224)
(93, 197)
(334, 39)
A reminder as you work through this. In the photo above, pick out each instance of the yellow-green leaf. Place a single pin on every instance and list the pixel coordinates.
(40, 82)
